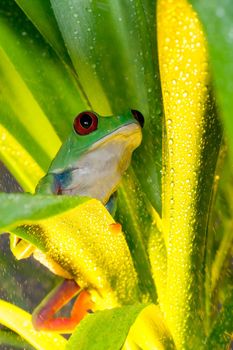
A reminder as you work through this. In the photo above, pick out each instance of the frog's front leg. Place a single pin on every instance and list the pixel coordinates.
(48, 185)
(43, 316)
(111, 204)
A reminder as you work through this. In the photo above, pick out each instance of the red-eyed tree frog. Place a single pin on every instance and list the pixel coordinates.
(90, 163)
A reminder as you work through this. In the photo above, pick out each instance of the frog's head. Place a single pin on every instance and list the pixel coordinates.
(97, 152)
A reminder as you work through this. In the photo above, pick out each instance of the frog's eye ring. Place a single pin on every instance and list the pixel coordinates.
(85, 123)
(138, 116)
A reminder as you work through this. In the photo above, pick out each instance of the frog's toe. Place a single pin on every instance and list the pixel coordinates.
(115, 228)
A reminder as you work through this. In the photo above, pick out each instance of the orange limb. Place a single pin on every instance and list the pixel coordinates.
(115, 228)
(43, 316)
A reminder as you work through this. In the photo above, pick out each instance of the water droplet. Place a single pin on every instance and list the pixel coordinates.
(166, 93)
(220, 11)
(230, 34)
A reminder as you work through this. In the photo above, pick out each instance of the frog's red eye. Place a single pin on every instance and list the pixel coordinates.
(85, 123)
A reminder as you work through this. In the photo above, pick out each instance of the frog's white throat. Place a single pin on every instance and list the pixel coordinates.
(98, 172)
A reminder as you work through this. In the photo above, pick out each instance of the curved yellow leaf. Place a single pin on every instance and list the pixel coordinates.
(19, 321)
(16, 158)
(149, 331)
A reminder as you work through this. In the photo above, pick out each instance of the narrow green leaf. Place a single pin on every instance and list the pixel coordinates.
(111, 50)
(105, 330)
(217, 19)
(12, 339)
(222, 255)
(221, 335)
(217, 225)
(42, 16)
(149, 7)
(18, 208)
(24, 106)
(158, 259)
(136, 220)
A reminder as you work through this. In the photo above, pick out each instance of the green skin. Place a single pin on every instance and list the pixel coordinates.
(92, 165)
(87, 165)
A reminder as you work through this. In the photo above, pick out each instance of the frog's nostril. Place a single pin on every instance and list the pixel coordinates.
(138, 116)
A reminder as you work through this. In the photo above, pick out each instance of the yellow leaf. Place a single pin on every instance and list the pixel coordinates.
(19, 321)
(184, 74)
(16, 158)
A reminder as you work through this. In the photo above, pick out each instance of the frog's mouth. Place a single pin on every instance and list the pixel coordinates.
(130, 134)
(99, 170)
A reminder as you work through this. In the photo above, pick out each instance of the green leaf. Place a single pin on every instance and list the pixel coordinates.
(149, 7)
(158, 258)
(221, 335)
(42, 16)
(133, 213)
(217, 17)
(18, 208)
(111, 50)
(36, 90)
(10, 338)
(105, 330)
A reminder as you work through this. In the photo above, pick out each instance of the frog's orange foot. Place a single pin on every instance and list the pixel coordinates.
(43, 317)
(115, 228)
